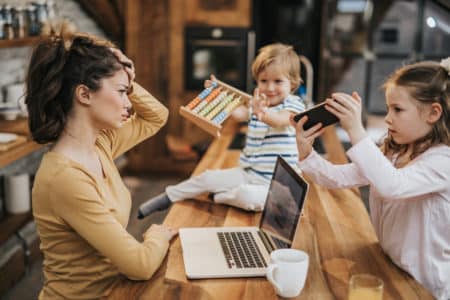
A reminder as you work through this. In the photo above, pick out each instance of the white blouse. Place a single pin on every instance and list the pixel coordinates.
(409, 206)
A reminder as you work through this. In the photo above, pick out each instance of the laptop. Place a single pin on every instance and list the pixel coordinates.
(222, 252)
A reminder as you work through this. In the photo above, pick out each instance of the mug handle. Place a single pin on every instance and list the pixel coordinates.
(270, 270)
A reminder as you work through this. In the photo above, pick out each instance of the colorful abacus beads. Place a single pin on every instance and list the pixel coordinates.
(213, 95)
(207, 100)
(227, 110)
(230, 107)
(220, 106)
(220, 117)
(201, 96)
(212, 104)
(199, 106)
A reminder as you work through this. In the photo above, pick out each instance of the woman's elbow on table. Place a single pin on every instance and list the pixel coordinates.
(143, 260)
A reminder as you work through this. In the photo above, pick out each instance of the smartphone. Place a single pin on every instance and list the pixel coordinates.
(317, 114)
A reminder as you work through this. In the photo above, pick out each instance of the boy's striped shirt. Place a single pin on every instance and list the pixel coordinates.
(265, 143)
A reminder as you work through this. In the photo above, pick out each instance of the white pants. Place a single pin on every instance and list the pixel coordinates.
(234, 187)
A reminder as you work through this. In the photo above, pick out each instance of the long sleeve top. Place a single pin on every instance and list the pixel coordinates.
(81, 219)
(409, 206)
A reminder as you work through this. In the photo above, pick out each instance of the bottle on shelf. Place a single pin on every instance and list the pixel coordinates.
(8, 33)
(18, 22)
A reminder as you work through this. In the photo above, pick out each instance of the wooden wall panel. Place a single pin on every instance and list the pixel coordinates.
(229, 13)
(107, 15)
(190, 12)
(154, 39)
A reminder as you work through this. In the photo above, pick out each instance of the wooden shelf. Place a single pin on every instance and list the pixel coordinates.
(19, 127)
(11, 224)
(27, 41)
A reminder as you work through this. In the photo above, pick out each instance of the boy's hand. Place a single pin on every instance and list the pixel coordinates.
(259, 104)
(348, 109)
(209, 82)
(305, 138)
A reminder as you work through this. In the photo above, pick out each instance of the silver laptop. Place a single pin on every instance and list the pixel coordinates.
(220, 252)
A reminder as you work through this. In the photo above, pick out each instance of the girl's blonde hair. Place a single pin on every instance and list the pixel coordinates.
(427, 82)
(283, 56)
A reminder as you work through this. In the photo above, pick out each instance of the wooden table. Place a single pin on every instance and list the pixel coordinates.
(335, 231)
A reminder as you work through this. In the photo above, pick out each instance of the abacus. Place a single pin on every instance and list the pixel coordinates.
(213, 106)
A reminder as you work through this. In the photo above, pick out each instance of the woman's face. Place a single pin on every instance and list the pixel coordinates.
(274, 84)
(109, 105)
(406, 118)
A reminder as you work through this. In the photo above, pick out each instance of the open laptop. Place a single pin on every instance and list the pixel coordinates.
(220, 252)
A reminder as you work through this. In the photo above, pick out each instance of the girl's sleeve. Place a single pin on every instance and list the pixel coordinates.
(149, 116)
(79, 204)
(429, 174)
(330, 175)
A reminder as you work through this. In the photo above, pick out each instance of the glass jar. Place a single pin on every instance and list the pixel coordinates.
(8, 32)
(2, 23)
(41, 14)
(18, 22)
(32, 21)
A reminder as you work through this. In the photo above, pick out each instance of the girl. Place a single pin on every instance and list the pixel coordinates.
(277, 73)
(77, 99)
(409, 176)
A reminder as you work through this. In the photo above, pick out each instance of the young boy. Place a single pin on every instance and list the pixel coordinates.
(277, 73)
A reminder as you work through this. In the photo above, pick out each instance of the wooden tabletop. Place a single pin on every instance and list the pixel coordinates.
(335, 231)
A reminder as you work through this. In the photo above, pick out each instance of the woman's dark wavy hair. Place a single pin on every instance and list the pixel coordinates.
(57, 66)
(427, 82)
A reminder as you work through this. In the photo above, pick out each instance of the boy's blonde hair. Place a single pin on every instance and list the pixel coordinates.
(283, 56)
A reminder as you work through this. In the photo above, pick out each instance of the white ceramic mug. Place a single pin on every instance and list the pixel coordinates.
(287, 271)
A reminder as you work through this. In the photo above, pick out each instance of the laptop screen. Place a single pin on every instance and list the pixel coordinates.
(284, 201)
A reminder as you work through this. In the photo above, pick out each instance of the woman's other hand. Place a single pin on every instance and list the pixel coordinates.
(305, 138)
(164, 230)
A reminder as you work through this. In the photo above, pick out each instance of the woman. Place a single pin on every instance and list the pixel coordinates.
(79, 94)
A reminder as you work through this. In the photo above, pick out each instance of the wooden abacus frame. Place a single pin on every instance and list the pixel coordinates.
(207, 125)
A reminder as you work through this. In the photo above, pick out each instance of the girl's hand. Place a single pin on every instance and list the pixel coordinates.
(348, 109)
(259, 104)
(128, 63)
(168, 232)
(305, 138)
(209, 82)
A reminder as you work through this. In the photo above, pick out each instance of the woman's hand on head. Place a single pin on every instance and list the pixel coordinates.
(128, 63)
(305, 138)
(348, 109)
(164, 230)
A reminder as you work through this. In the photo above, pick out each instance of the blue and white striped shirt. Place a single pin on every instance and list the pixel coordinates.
(265, 143)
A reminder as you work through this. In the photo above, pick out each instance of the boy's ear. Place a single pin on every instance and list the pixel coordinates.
(82, 94)
(434, 113)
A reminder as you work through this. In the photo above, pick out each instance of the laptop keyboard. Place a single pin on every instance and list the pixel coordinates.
(240, 250)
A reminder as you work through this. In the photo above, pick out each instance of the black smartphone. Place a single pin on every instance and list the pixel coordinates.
(317, 114)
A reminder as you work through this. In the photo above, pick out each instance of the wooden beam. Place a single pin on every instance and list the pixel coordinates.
(106, 14)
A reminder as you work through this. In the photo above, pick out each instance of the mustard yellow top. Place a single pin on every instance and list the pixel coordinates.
(81, 218)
